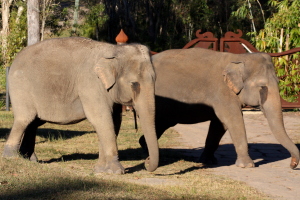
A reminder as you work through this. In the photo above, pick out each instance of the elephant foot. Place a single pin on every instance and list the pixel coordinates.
(208, 160)
(112, 167)
(33, 158)
(245, 162)
(10, 152)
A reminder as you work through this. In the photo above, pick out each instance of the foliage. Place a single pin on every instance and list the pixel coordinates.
(170, 23)
(252, 11)
(95, 18)
(18, 31)
(281, 33)
(166, 24)
(17, 38)
(58, 21)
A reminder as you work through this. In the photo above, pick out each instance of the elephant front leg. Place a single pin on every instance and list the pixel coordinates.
(239, 139)
(108, 153)
(108, 164)
(214, 136)
(233, 119)
(111, 165)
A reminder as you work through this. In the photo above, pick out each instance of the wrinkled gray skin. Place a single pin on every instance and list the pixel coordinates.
(197, 85)
(64, 81)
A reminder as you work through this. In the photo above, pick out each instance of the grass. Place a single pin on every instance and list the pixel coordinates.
(67, 155)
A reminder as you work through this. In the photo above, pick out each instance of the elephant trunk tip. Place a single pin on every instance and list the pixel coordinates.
(294, 162)
(150, 166)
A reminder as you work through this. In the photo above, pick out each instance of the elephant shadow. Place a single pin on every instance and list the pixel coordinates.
(261, 153)
(56, 134)
(51, 134)
(4, 132)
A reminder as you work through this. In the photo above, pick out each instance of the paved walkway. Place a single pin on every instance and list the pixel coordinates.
(272, 174)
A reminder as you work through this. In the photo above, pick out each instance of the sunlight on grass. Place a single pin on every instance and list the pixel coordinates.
(67, 155)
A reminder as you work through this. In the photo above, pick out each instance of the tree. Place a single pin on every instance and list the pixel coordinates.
(252, 11)
(75, 17)
(281, 33)
(95, 18)
(47, 6)
(33, 22)
(5, 28)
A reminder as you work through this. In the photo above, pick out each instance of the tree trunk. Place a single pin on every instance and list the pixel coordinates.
(33, 22)
(44, 16)
(5, 28)
(20, 11)
(75, 16)
(46, 10)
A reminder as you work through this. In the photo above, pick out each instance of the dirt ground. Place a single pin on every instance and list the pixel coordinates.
(272, 174)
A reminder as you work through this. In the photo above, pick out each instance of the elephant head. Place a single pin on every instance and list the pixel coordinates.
(255, 82)
(128, 76)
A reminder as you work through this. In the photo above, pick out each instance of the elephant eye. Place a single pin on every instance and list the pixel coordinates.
(263, 94)
(135, 86)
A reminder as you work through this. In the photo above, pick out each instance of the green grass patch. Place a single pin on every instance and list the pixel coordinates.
(67, 155)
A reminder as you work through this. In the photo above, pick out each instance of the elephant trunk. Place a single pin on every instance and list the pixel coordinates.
(272, 110)
(145, 108)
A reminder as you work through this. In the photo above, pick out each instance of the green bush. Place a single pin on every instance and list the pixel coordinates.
(281, 33)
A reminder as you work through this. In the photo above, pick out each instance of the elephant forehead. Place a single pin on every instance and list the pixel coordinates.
(144, 51)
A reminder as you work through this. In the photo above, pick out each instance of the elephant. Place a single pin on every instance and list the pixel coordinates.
(67, 80)
(196, 85)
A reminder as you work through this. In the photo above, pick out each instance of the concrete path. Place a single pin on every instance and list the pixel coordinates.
(272, 174)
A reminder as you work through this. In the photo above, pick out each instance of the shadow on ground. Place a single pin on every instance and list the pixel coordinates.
(60, 134)
(57, 187)
(54, 134)
(265, 153)
(4, 132)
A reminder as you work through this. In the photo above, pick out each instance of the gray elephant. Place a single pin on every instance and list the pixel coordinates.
(65, 81)
(196, 85)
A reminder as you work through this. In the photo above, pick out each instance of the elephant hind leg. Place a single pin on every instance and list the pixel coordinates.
(28, 142)
(117, 117)
(214, 136)
(17, 133)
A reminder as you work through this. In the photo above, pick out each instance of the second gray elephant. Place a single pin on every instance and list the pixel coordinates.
(196, 85)
(67, 80)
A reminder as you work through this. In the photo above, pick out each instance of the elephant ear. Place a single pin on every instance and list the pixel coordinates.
(106, 72)
(233, 76)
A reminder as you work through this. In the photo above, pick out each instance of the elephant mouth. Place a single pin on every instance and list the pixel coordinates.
(128, 103)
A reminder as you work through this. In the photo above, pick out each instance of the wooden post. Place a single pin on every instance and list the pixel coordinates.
(7, 99)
